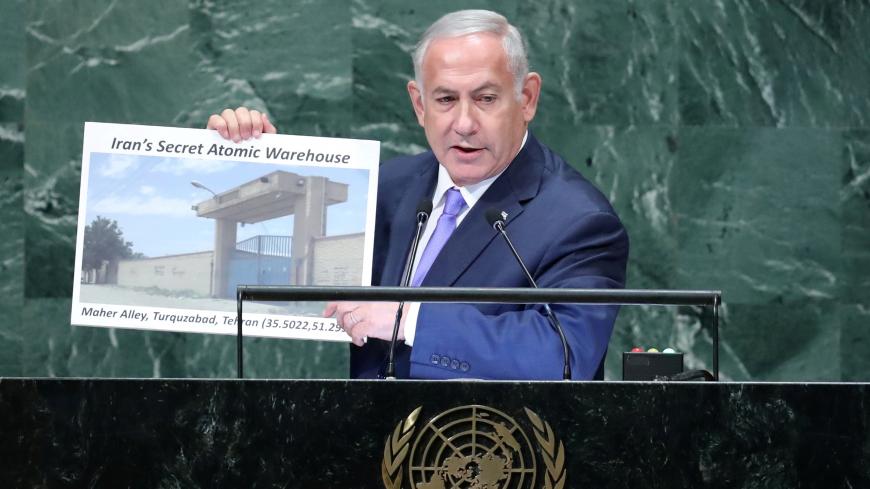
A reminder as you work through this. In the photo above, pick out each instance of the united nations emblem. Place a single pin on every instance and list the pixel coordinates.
(472, 447)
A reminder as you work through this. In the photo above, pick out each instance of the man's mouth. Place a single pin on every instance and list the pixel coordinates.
(468, 150)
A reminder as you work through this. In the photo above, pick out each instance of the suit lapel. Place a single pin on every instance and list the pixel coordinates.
(519, 183)
(403, 224)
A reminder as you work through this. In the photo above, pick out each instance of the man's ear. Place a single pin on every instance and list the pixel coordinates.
(530, 95)
(416, 100)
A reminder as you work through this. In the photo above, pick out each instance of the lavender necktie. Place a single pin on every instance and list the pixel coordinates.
(446, 224)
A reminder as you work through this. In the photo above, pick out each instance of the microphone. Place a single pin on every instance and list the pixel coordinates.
(424, 208)
(496, 218)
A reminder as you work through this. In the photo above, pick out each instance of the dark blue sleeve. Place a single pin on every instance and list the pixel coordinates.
(517, 342)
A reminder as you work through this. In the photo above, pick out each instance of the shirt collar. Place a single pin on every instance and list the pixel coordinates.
(471, 193)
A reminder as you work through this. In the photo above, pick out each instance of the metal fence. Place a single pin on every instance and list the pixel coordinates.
(266, 245)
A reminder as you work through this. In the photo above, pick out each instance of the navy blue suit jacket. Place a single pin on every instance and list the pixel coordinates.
(566, 232)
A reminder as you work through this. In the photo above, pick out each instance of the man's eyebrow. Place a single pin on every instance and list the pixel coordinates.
(487, 86)
(443, 90)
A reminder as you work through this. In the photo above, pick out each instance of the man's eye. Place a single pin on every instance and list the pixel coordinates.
(444, 100)
(487, 99)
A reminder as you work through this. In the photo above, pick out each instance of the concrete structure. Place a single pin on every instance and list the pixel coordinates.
(189, 272)
(333, 260)
(276, 194)
(337, 260)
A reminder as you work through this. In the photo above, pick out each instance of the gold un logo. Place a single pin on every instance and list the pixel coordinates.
(472, 447)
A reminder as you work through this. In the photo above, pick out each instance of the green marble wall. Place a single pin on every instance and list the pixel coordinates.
(732, 137)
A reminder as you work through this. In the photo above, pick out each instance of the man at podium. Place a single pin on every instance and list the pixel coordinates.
(474, 96)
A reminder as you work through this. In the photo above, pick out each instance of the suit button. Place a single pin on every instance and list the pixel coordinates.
(454, 364)
(445, 361)
(464, 366)
(434, 359)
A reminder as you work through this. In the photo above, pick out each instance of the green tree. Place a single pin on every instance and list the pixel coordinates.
(104, 240)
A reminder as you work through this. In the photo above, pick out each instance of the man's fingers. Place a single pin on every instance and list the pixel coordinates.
(268, 126)
(241, 124)
(359, 332)
(218, 123)
(349, 319)
(341, 310)
(244, 118)
(232, 125)
(330, 309)
(256, 123)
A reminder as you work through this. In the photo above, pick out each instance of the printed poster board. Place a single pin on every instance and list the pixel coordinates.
(171, 220)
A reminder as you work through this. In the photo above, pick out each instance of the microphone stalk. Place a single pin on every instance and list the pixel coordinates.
(424, 208)
(498, 225)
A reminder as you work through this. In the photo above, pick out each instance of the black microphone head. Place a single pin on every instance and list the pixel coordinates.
(494, 217)
(424, 208)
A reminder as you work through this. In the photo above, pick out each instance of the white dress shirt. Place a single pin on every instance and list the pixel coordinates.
(471, 194)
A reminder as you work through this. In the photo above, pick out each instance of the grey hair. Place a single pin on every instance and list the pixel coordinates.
(465, 22)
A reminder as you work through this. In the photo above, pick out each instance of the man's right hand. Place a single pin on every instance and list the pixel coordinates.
(241, 124)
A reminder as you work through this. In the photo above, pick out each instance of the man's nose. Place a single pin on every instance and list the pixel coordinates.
(465, 123)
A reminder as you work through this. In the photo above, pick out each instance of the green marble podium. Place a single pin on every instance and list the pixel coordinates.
(356, 434)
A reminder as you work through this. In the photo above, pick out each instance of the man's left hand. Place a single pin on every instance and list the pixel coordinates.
(363, 320)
